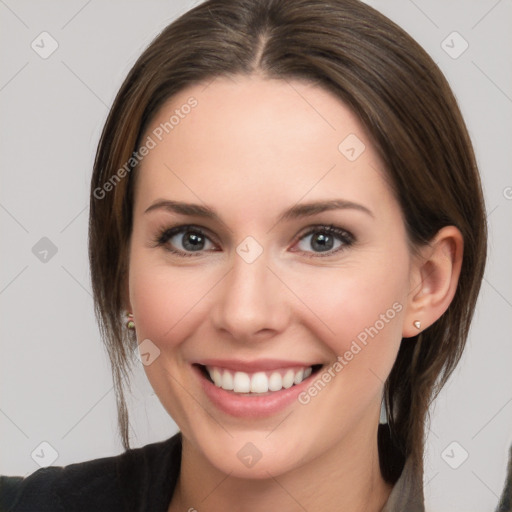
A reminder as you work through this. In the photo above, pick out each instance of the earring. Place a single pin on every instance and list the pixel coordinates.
(130, 324)
(417, 324)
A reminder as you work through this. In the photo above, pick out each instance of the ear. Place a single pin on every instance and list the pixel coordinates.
(434, 278)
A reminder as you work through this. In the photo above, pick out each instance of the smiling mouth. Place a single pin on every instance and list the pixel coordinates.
(257, 383)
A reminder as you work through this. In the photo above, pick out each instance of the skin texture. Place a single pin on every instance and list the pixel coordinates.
(250, 149)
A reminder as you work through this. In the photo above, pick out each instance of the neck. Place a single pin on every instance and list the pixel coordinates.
(346, 477)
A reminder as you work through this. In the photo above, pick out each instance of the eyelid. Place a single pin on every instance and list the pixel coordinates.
(329, 228)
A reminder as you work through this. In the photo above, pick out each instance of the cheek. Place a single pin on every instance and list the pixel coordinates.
(167, 300)
(158, 300)
(164, 302)
(360, 310)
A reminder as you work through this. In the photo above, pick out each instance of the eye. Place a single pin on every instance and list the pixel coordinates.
(191, 238)
(325, 239)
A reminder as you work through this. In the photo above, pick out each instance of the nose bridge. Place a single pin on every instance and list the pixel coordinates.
(250, 302)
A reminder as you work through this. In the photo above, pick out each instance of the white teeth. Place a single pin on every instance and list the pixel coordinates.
(227, 381)
(288, 379)
(259, 382)
(241, 382)
(275, 383)
(216, 377)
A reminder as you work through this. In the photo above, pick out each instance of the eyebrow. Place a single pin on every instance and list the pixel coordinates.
(295, 212)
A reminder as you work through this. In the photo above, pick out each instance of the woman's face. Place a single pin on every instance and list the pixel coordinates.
(260, 290)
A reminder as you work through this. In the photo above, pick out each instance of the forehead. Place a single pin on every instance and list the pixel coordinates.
(256, 140)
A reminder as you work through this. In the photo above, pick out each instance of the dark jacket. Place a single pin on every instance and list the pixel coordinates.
(141, 479)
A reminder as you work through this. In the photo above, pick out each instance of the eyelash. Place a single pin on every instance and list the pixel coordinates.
(343, 235)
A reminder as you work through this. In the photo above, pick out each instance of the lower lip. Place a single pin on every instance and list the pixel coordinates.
(255, 406)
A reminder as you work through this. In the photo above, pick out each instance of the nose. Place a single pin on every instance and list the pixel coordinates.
(253, 303)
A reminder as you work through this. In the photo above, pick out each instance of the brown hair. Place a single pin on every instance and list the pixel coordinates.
(408, 110)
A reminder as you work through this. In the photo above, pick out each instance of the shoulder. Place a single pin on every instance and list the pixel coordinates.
(407, 493)
(77, 486)
(129, 481)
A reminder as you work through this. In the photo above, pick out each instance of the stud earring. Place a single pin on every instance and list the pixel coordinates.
(417, 324)
(130, 324)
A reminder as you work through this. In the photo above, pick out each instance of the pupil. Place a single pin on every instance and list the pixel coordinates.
(193, 240)
(323, 242)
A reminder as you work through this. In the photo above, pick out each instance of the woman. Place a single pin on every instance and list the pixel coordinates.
(287, 226)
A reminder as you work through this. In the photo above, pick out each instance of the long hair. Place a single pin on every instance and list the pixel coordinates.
(409, 112)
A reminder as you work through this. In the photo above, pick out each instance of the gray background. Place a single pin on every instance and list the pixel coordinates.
(55, 381)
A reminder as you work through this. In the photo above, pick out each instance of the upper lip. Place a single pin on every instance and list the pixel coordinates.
(254, 365)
